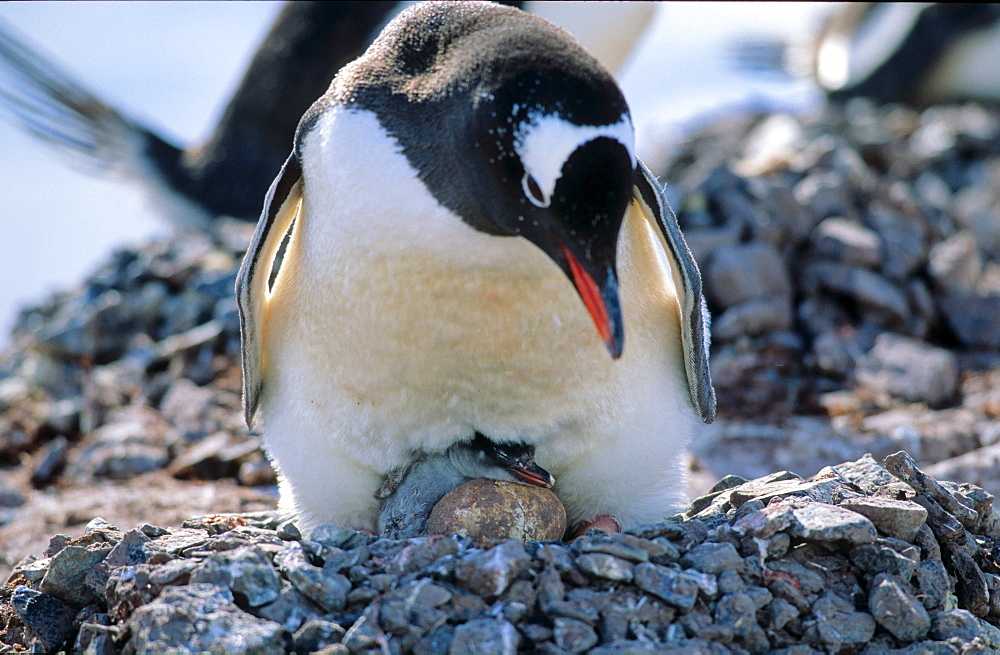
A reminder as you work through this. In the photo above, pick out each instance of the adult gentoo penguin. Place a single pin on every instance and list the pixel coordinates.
(465, 206)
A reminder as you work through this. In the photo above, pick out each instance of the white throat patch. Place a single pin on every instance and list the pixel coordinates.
(546, 141)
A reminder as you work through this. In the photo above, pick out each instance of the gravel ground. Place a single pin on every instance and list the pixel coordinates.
(852, 266)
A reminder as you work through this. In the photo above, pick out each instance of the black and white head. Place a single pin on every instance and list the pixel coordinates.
(513, 462)
(512, 126)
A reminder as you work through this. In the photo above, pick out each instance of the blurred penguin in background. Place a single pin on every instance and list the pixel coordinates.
(230, 172)
(914, 53)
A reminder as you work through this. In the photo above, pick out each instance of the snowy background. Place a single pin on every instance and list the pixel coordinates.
(174, 65)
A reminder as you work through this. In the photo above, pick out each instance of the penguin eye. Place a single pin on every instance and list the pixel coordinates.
(533, 191)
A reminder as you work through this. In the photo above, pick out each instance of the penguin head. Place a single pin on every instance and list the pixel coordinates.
(513, 462)
(512, 126)
(556, 149)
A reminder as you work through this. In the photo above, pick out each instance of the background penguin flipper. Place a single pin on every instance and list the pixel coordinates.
(281, 206)
(687, 279)
(51, 106)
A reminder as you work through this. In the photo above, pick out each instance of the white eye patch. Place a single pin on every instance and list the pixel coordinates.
(545, 141)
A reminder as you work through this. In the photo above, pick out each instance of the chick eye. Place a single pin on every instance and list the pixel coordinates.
(533, 191)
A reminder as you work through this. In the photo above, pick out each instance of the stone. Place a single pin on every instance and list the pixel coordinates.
(315, 635)
(820, 522)
(955, 264)
(745, 272)
(882, 297)
(847, 241)
(327, 590)
(897, 610)
(573, 636)
(201, 617)
(48, 617)
(492, 636)
(490, 572)
(838, 624)
(877, 558)
(69, 569)
(670, 585)
(897, 518)
(974, 318)
(245, 571)
(957, 623)
(605, 566)
(713, 558)
(753, 318)
(910, 370)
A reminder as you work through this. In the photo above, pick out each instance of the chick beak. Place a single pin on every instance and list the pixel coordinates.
(532, 474)
(601, 301)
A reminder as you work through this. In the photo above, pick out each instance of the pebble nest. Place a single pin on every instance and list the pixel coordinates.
(859, 558)
(851, 261)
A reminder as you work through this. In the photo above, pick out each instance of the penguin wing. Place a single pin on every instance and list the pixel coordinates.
(281, 206)
(695, 334)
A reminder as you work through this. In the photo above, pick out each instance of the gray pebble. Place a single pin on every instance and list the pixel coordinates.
(201, 617)
(897, 610)
(487, 636)
(672, 586)
(246, 572)
(490, 572)
(69, 569)
(712, 557)
(605, 566)
(48, 617)
(910, 370)
(957, 623)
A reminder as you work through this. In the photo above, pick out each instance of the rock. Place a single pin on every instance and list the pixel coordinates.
(490, 572)
(847, 241)
(900, 519)
(201, 617)
(493, 509)
(247, 573)
(712, 558)
(574, 636)
(605, 566)
(745, 272)
(51, 462)
(974, 318)
(670, 585)
(493, 636)
(910, 370)
(955, 264)
(315, 635)
(48, 617)
(897, 610)
(329, 591)
(959, 624)
(837, 623)
(753, 318)
(69, 569)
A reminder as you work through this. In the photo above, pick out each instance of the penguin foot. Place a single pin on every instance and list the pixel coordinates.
(604, 522)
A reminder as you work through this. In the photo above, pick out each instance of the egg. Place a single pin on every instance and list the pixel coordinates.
(494, 510)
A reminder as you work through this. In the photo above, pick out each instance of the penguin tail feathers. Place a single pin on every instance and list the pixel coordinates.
(91, 135)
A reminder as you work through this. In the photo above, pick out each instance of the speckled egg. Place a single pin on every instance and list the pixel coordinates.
(486, 510)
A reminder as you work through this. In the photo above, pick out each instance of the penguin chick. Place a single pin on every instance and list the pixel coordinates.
(412, 492)
(227, 174)
(467, 209)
